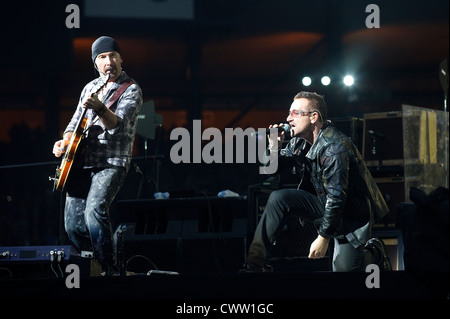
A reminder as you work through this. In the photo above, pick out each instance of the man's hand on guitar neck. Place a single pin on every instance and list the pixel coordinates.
(92, 102)
(107, 117)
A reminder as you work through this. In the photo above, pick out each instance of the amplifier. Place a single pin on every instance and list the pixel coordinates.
(352, 127)
(393, 190)
(383, 139)
(15, 254)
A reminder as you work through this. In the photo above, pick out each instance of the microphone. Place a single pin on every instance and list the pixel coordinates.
(374, 133)
(285, 127)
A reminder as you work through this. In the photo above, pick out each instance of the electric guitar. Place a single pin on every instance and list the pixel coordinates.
(62, 171)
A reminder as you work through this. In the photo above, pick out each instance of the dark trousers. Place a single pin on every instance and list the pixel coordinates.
(307, 207)
(86, 215)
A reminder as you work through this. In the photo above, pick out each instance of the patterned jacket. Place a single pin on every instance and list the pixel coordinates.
(113, 147)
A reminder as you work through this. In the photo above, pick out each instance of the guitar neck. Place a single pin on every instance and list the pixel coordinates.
(81, 125)
(79, 129)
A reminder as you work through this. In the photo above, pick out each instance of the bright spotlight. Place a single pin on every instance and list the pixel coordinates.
(325, 80)
(306, 81)
(349, 80)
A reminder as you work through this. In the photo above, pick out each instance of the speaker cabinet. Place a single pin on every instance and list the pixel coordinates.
(393, 190)
(352, 127)
(383, 139)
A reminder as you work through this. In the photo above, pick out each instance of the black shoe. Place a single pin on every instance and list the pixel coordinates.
(378, 250)
(254, 268)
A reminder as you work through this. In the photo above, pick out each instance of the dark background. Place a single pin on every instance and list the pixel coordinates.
(234, 63)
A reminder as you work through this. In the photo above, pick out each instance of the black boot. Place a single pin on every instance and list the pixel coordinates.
(377, 249)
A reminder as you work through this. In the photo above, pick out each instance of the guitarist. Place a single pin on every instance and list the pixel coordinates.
(103, 156)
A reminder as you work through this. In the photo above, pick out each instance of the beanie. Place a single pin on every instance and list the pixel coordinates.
(104, 44)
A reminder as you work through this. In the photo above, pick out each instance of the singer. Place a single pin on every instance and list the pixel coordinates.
(344, 199)
(103, 156)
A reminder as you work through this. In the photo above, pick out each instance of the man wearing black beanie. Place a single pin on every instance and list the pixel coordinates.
(105, 47)
(102, 153)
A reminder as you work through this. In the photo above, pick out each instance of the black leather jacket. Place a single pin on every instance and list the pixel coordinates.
(342, 181)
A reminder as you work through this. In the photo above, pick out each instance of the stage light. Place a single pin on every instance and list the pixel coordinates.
(349, 80)
(306, 81)
(325, 80)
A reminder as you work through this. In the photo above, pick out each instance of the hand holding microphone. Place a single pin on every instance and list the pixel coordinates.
(276, 140)
(283, 127)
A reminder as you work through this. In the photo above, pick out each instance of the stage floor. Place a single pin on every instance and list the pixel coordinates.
(273, 295)
(258, 286)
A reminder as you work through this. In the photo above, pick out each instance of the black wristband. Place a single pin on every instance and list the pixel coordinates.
(101, 111)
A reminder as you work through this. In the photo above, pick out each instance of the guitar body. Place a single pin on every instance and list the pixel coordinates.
(62, 172)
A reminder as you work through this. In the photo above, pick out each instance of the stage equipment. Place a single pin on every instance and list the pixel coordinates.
(425, 148)
(383, 140)
(352, 127)
(36, 253)
(38, 262)
(148, 121)
(185, 235)
(406, 148)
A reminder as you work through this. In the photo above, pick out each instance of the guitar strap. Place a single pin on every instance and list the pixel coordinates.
(119, 92)
(114, 98)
